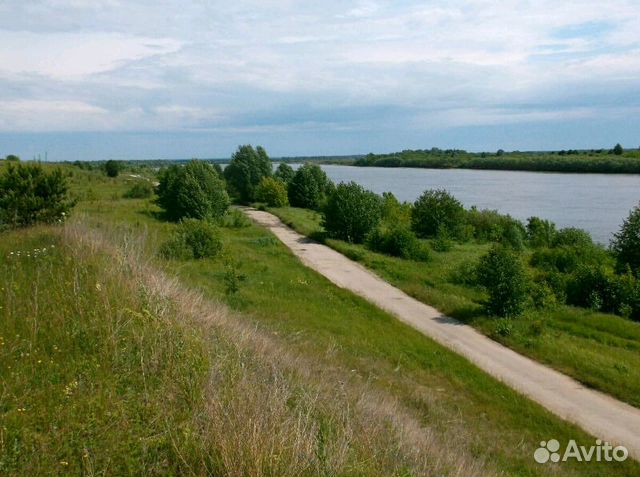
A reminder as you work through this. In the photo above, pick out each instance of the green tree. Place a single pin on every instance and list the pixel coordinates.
(437, 211)
(272, 192)
(352, 212)
(503, 276)
(541, 233)
(247, 167)
(285, 172)
(12, 158)
(112, 168)
(626, 243)
(309, 187)
(617, 150)
(193, 190)
(29, 194)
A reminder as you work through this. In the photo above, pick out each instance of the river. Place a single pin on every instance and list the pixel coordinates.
(597, 203)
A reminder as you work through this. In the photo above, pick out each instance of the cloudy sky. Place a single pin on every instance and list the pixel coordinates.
(93, 79)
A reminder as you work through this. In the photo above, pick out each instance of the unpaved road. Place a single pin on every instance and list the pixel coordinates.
(597, 413)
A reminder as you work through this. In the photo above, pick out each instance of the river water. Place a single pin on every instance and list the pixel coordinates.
(597, 203)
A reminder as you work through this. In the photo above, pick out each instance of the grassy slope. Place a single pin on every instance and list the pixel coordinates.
(600, 350)
(338, 329)
(348, 344)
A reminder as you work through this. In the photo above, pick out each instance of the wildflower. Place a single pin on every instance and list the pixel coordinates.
(98, 287)
(64, 463)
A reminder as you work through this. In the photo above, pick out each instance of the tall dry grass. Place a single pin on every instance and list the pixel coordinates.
(266, 410)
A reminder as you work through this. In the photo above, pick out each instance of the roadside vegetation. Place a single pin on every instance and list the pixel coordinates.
(553, 295)
(234, 358)
(615, 160)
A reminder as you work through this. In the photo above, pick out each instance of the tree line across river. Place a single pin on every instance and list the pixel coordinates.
(530, 264)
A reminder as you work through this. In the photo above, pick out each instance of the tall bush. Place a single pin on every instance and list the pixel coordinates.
(29, 194)
(247, 167)
(626, 242)
(351, 212)
(437, 211)
(285, 172)
(309, 187)
(541, 233)
(502, 274)
(112, 168)
(272, 192)
(192, 191)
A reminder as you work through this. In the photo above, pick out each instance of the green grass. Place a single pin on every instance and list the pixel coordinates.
(92, 379)
(599, 350)
(301, 355)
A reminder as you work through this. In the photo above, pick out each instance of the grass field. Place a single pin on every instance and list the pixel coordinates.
(288, 376)
(599, 350)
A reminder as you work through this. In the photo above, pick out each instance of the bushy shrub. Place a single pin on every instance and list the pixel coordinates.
(572, 237)
(193, 239)
(12, 158)
(351, 212)
(398, 241)
(235, 219)
(245, 171)
(626, 243)
(29, 194)
(309, 187)
(112, 168)
(139, 190)
(285, 172)
(567, 258)
(503, 276)
(443, 241)
(434, 211)
(513, 236)
(192, 191)
(592, 287)
(492, 226)
(394, 212)
(541, 233)
(272, 192)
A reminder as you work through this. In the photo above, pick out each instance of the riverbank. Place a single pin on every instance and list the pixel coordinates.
(586, 161)
(600, 350)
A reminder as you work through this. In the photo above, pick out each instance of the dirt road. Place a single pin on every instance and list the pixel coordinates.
(597, 413)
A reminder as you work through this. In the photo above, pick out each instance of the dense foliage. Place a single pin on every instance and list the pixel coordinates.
(614, 161)
(139, 190)
(193, 239)
(193, 190)
(309, 187)
(502, 274)
(112, 168)
(626, 242)
(285, 172)
(247, 167)
(437, 212)
(29, 194)
(272, 192)
(398, 241)
(352, 212)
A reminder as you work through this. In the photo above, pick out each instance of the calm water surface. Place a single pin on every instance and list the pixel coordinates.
(597, 203)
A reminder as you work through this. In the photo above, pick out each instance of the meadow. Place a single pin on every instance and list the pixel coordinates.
(117, 361)
(598, 349)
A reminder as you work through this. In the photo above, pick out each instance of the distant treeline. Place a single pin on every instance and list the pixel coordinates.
(603, 161)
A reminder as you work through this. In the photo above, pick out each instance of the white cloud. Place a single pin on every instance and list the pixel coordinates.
(72, 55)
(178, 65)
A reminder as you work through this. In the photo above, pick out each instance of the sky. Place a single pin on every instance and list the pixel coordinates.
(98, 79)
